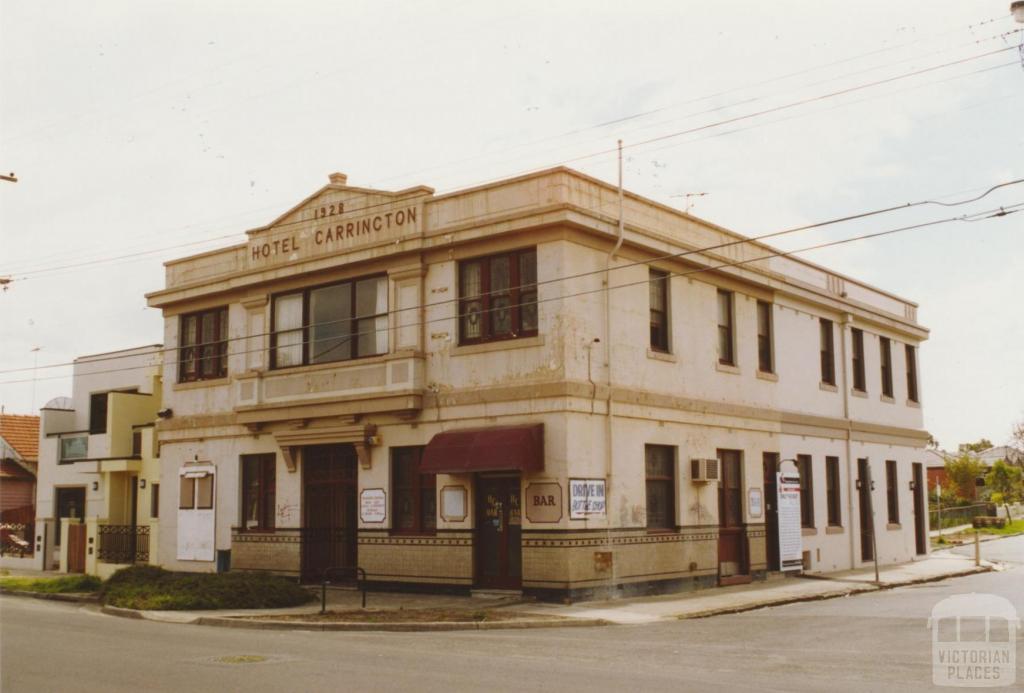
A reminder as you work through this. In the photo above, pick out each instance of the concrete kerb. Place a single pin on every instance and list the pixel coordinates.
(79, 597)
(821, 596)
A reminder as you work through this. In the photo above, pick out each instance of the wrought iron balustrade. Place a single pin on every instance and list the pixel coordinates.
(124, 544)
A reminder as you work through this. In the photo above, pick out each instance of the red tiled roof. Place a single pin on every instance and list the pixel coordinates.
(22, 434)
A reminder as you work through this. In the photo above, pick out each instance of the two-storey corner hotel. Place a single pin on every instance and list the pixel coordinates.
(491, 389)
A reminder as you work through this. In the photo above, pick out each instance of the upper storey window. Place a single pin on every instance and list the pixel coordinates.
(331, 323)
(725, 328)
(203, 352)
(498, 297)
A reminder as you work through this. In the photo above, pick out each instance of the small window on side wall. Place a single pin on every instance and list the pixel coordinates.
(725, 328)
(658, 291)
(660, 468)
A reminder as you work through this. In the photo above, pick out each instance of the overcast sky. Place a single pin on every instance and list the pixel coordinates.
(156, 130)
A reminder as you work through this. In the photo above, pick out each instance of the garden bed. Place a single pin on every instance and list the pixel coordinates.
(152, 588)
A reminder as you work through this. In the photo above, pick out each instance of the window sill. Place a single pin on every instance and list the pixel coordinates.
(894, 526)
(854, 392)
(808, 531)
(834, 529)
(765, 375)
(727, 368)
(196, 384)
(500, 345)
(913, 405)
(827, 387)
(662, 356)
(887, 399)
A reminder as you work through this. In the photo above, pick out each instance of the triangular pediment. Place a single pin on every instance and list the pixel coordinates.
(335, 218)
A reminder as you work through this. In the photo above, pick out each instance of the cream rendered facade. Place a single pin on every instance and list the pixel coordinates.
(589, 375)
(99, 469)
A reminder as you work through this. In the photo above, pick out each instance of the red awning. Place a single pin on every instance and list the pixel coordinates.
(501, 448)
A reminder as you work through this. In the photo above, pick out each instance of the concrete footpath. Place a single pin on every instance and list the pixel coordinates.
(516, 612)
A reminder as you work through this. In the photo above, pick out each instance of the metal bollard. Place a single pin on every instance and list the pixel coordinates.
(977, 548)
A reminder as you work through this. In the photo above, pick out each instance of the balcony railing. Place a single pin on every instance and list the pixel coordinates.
(123, 544)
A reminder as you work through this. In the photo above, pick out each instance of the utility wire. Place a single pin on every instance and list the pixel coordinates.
(988, 214)
(670, 256)
(37, 270)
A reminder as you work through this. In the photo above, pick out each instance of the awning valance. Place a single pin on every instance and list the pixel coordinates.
(499, 448)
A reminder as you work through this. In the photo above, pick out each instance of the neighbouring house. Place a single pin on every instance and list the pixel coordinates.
(499, 388)
(19, 454)
(98, 496)
(936, 465)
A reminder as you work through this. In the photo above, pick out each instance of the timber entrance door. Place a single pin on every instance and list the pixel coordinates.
(499, 552)
(866, 512)
(771, 510)
(733, 566)
(76, 548)
(920, 511)
(330, 526)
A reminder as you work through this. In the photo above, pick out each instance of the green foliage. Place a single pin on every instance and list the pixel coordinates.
(982, 445)
(59, 585)
(1006, 481)
(149, 587)
(1015, 527)
(962, 471)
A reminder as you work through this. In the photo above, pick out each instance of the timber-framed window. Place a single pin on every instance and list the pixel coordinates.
(259, 489)
(658, 285)
(498, 297)
(804, 465)
(414, 494)
(725, 328)
(337, 322)
(660, 467)
(203, 345)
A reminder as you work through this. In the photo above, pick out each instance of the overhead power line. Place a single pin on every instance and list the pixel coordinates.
(671, 256)
(40, 270)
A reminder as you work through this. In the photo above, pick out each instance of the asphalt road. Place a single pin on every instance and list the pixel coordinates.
(876, 641)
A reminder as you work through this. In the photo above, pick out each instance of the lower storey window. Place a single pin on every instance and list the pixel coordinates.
(414, 494)
(660, 464)
(259, 491)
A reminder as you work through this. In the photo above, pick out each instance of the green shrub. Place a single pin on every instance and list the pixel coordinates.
(149, 587)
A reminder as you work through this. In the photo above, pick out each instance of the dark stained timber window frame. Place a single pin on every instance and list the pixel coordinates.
(154, 501)
(892, 496)
(259, 492)
(835, 511)
(857, 349)
(413, 494)
(911, 353)
(765, 348)
(805, 465)
(828, 351)
(725, 308)
(659, 283)
(356, 331)
(492, 310)
(885, 353)
(98, 403)
(660, 485)
(203, 345)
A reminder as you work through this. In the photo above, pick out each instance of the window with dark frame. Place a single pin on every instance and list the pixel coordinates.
(658, 285)
(911, 373)
(413, 494)
(98, 412)
(259, 491)
(885, 348)
(828, 351)
(154, 501)
(859, 379)
(337, 322)
(186, 493)
(725, 328)
(765, 357)
(892, 492)
(204, 492)
(835, 513)
(136, 443)
(203, 345)
(498, 297)
(660, 466)
(805, 468)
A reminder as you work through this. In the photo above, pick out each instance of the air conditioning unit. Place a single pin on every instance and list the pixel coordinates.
(704, 469)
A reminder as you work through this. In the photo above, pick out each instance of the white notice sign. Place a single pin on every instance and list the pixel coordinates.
(372, 505)
(791, 544)
(586, 498)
